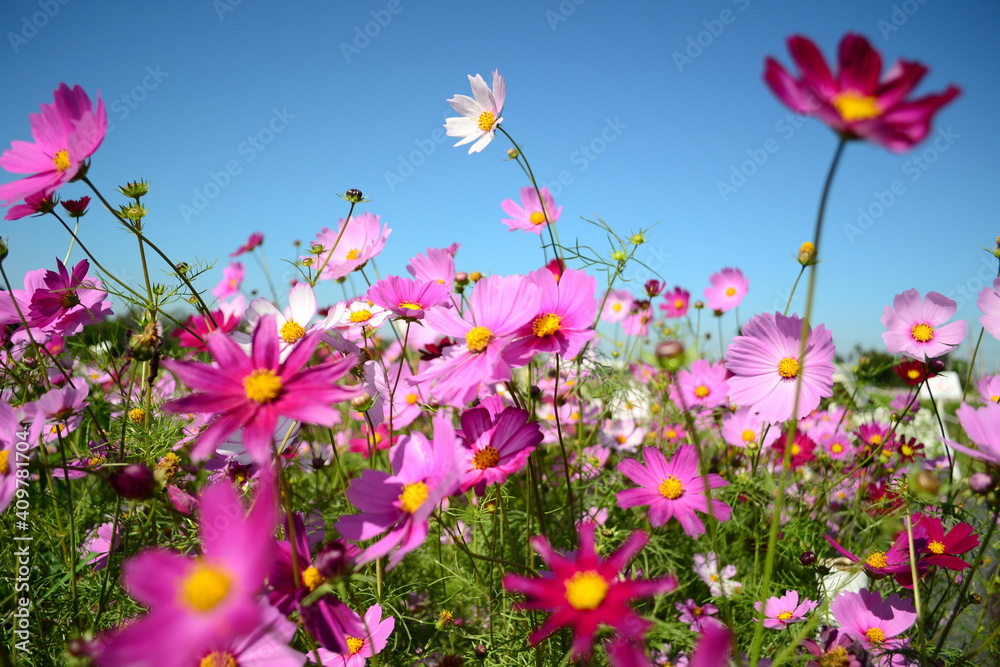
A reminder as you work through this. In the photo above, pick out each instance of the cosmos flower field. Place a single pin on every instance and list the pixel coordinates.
(451, 468)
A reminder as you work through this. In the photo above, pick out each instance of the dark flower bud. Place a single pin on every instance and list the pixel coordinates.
(935, 365)
(808, 558)
(654, 287)
(332, 560)
(354, 196)
(981, 482)
(669, 349)
(133, 482)
(481, 651)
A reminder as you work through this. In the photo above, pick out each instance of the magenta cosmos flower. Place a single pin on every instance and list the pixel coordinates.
(400, 504)
(498, 308)
(727, 290)
(66, 133)
(408, 298)
(532, 214)
(916, 325)
(675, 302)
(562, 325)
(874, 622)
(989, 304)
(854, 102)
(703, 386)
(768, 371)
(480, 116)
(674, 489)
(39, 203)
(786, 609)
(251, 392)
(584, 591)
(232, 279)
(208, 600)
(359, 649)
(256, 239)
(497, 445)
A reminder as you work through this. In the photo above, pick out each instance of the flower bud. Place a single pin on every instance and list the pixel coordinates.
(927, 482)
(133, 482)
(698, 305)
(462, 278)
(935, 365)
(134, 189)
(669, 349)
(354, 196)
(981, 483)
(807, 254)
(361, 402)
(475, 276)
(512, 153)
(76, 208)
(481, 651)
(808, 558)
(654, 287)
(332, 560)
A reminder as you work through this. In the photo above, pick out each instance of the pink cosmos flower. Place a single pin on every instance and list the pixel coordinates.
(584, 591)
(784, 610)
(480, 116)
(766, 367)
(362, 239)
(727, 290)
(875, 623)
(496, 445)
(498, 308)
(256, 239)
(989, 388)
(232, 278)
(76, 208)
(743, 428)
(329, 620)
(915, 326)
(675, 302)
(941, 548)
(266, 645)
(359, 649)
(617, 305)
(38, 203)
(101, 542)
(251, 392)
(563, 321)
(854, 103)
(532, 214)
(437, 265)
(11, 434)
(880, 564)
(66, 133)
(989, 303)
(702, 387)
(982, 425)
(695, 615)
(210, 599)
(400, 504)
(715, 646)
(674, 489)
(227, 317)
(636, 322)
(407, 298)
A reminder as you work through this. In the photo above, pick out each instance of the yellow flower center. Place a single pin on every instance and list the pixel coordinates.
(291, 331)
(359, 316)
(486, 120)
(922, 332)
(836, 448)
(851, 106)
(478, 338)
(205, 587)
(788, 367)
(353, 253)
(730, 291)
(678, 303)
(936, 547)
(412, 399)
(4, 465)
(413, 496)
(835, 657)
(312, 579)
(796, 449)
(671, 434)
(784, 616)
(877, 559)
(671, 488)
(136, 415)
(546, 325)
(537, 218)
(586, 590)
(995, 399)
(61, 160)
(906, 450)
(616, 307)
(262, 386)
(913, 373)
(354, 644)
(410, 305)
(701, 391)
(748, 435)
(92, 461)
(876, 439)
(487, 457)
(875, 635)
(219, 659)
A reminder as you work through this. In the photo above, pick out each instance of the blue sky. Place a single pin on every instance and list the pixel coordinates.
(641, 108)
